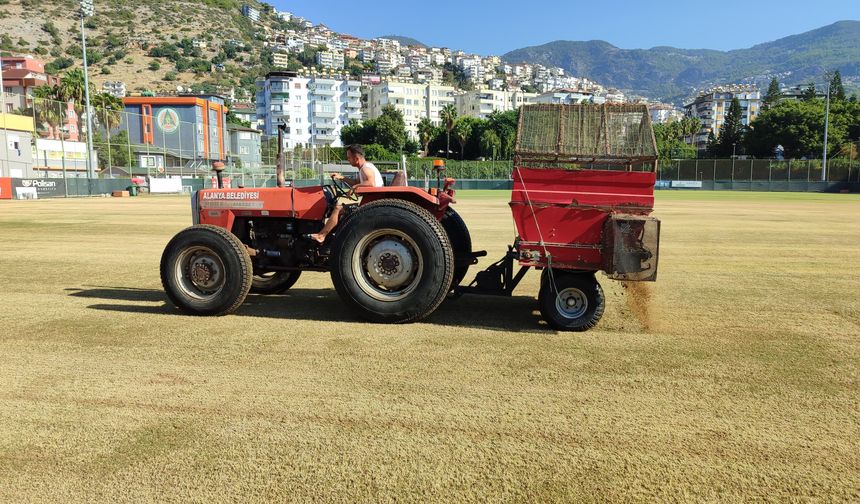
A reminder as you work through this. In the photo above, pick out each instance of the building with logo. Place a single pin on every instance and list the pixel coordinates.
(186, 131)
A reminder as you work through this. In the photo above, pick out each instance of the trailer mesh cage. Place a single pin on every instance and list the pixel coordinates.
(609, 134)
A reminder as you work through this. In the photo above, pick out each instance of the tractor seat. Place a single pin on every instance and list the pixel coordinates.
(394, 179)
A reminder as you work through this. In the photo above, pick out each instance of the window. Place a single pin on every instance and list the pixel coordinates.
(298, 132)
(297, 85)
(243, 149)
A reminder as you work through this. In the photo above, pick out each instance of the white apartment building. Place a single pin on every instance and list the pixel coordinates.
(330, 59)
(280, 59)
(314, 109)
(712, 106)
(568, 96)
(662, 113)
(387, 61)
(483, 102)
(114, 88)
(251, 13)
(414, 101)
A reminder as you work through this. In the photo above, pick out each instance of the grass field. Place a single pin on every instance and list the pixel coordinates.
(737, 381)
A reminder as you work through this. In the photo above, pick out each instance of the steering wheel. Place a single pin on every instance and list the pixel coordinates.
(343, 189)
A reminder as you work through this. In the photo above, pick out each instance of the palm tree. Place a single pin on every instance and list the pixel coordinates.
(47, 102)
(73, 88)
(426, 132)
(462, 130)
(108, 110)
(448, 114)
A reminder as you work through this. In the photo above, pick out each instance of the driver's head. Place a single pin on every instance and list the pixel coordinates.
(355, 155)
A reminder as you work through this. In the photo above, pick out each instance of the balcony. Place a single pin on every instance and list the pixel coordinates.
(324, 138)
(353, 104)
(323, 91)
(353, 93)
(323, 114)
(324, 124)
(354, 116)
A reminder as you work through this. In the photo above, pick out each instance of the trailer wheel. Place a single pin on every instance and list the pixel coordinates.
(392, 262)
(205, 270)
(274, 282)
(461, 244)
(573, 302)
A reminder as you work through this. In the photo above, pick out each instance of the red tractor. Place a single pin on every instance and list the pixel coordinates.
(583, 189)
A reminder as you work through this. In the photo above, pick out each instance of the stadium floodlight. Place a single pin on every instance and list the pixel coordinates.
(87, 9)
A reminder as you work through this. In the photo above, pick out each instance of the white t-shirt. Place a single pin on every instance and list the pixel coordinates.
(377, 177)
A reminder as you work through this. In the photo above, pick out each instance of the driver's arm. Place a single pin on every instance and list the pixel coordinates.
(368, 178)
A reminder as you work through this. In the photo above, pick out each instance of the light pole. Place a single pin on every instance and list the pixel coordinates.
(87, 10)
(826, 126)
(734, 144)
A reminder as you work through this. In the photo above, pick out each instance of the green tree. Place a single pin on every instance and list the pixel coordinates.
(390, 129)
(772, 96)
(504, 125)
(809, 94)
(114, 152)
(107, 110)
(799, 127)
(491, 145)
(426, 132)
(732, 131)
(47, 101)
(837, 90)
(711, 148)
(462, 131)
(448, 114)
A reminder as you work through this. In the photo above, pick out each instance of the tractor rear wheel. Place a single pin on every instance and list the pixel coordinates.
(206, 270)
(392, 262)
(570, 301)
(461, 243)
(274, 282)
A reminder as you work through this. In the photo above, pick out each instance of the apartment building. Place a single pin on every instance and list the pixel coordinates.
(251, 13)
(115, 88)
(330, 59)
(483, 102)
(20, 76)
(568, 96)
(280, 59)
(712, 106)
(414, 101)
(314, 109)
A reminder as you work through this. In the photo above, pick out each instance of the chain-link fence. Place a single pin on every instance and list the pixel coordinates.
(739, 170)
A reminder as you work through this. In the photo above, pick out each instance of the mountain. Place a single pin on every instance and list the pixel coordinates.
(407, 41)
(673, 74)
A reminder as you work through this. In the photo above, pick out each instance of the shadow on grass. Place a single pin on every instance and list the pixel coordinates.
(513, 314)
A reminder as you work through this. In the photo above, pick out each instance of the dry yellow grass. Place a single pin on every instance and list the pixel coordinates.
(743, 386)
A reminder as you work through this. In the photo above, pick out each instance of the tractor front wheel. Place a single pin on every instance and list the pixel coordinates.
(570, 301)
(393, 262)
(206, 270)
(274, 282)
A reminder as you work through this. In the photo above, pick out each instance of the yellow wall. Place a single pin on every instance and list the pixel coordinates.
(16, 122)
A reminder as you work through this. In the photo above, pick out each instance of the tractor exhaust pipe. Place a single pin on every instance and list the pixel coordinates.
(281, 158)
(218, 167)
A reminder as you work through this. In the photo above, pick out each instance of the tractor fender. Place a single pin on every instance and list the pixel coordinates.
(414, 195)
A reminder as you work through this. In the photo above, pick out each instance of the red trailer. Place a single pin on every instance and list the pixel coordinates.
(583, 192)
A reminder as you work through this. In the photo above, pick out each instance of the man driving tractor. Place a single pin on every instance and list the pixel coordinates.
(368, 176)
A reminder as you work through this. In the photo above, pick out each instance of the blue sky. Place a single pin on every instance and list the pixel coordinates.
(496, 27)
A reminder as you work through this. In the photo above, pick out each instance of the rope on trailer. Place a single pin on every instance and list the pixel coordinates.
(540, 234)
